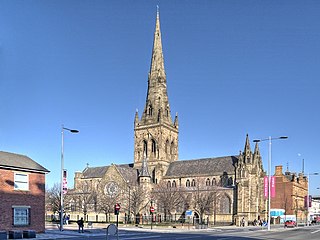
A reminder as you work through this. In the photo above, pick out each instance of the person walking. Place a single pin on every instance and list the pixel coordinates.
(80, 225)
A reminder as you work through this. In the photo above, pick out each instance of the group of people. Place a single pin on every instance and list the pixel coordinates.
(255, 222)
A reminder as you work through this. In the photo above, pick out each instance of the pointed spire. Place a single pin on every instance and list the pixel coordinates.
(157, 106)
(136, 118)
(144, 172)
(247, 145)
(256, 150)
(247, 151)
(157, 61)
(176, 121)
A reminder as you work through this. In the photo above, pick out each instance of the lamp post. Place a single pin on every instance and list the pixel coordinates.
(129, 211)
(62, 170)
(269, 171)
(308, 216)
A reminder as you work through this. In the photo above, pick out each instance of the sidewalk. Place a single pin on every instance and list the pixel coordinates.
(53, 232)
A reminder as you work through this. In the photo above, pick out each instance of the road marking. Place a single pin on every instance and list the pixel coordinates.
(140, 237)
(315, 231)
(188, 237)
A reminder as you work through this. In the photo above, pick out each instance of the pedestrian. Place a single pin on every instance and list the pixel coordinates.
(80, 225)
(67, 219)
(242, 222)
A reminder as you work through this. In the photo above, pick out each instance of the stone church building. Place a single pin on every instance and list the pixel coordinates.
(235, 182)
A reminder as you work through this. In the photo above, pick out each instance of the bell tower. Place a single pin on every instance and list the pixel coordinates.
(156, 134)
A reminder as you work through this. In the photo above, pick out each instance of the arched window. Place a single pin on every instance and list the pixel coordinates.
(145, 148)
(214, 183)
(243, 173)
(159, 116)
(166, 147)
(187, 183)
(154, 175)
(230, 181)
(174, 183)
(208, 182)
(171, 148)
(150, 110)
(168, 184)
(72, 205)
(153, 147)
(193, 183)
(225, 204)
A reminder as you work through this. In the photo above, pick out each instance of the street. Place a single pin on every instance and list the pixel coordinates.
(310, 233)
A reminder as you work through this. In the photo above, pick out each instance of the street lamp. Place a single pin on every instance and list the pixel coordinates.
(308, 216)
(269, 171)
(129, 211)
(62, 170)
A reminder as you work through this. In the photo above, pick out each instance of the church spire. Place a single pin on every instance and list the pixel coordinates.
(257, 150)
(157, 106)
(157, 61)
(247, 150)
(144, 172)
(247, 145)
(156, 133)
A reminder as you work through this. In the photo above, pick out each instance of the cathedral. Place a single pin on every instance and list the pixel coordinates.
(220, 190)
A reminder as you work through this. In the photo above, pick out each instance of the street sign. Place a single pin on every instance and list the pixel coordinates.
(116, 209)
(117, 206)
(151, 209)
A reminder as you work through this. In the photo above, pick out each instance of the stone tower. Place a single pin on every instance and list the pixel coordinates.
(155, 134)
(249, 178)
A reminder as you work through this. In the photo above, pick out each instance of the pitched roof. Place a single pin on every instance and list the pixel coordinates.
(128, 172)
(204, 166)
(95, 172)
(20, 162)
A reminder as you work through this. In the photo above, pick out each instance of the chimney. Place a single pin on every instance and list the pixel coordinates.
(278, 171)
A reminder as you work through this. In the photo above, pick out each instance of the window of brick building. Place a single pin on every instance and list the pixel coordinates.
(187, 183)
(21, 215)
(21, 181)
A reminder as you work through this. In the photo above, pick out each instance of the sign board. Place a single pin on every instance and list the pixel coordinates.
(151, 209)
(189, 213)
(116, 209)
(112, 229)
(64, 182)
(265, 186)
(272, 186)
(117, 206)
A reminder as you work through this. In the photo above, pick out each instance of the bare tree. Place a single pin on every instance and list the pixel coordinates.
(138, 199)
(84, 198)
(53, 198)
(205, 200)
(168, 198)
(105, 203)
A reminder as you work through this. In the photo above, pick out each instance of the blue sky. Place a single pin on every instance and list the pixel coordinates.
(233, 67)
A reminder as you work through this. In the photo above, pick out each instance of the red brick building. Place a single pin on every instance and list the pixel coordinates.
(22, 193)
(291, 188)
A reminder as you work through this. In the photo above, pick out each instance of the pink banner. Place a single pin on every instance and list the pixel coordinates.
(265, 187)
(273, 186)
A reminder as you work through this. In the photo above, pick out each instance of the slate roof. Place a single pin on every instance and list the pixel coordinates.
(204, 166)
(128, 172)
(95, 172)
(20, 162)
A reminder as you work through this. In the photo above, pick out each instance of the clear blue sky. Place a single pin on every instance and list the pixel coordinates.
(233, 67)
